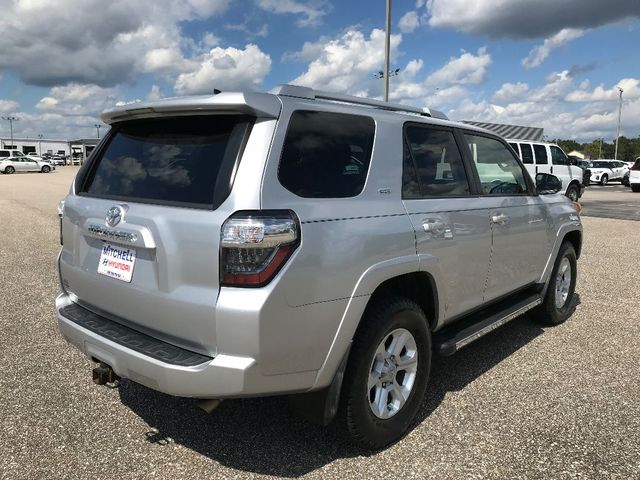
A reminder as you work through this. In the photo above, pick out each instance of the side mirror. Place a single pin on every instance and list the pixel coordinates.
(546, 183)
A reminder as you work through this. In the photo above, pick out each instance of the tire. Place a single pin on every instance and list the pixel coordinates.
(388, 321)
(604, 179)
(9, 170)
(557, 305)
(573, 193)
(625, 180)
(635, 187)
(46, 169)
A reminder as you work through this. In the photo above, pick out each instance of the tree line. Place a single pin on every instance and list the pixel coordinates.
(628, 148)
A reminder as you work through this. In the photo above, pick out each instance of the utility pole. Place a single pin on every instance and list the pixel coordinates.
(40, 144)
(615, 156)
(600, 155)
(387, 42)
(11, 119)
(98, 127)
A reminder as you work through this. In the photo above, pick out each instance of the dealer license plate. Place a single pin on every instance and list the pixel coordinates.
(117, 262)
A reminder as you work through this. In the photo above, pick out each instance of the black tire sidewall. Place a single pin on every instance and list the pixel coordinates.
(46, 169)
(604, 179)
(367, 429)
(9, 170)
(573, 188)
(556, 315)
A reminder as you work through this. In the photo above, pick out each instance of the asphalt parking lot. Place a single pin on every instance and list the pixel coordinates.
(523, 402)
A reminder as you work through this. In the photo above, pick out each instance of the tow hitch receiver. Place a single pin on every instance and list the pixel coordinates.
(103, 374)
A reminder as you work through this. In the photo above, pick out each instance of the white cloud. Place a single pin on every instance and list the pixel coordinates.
(117, 40)
(311, 11)
(8, 106)
(467, 69)
(524, 18)
(343, 64)
(630, 87)
(540, 52)
(510, 91)
(409, 22)
(225, 69)
(155, 93)
(77, 99)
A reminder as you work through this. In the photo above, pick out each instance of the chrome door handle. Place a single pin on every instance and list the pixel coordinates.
(433, 227)
(499, 219)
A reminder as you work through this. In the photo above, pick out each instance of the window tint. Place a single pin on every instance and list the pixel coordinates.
(433, 162)
(4, 153)
(499, 171)
(184, 161)
(541, 154)
(515, 148)
(557, 156)
(326, 155)
(527, 153)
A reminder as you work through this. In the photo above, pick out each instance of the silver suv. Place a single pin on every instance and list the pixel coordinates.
(300, 242)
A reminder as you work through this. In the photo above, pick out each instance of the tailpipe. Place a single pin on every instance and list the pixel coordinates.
(103, 374)
(208, 404)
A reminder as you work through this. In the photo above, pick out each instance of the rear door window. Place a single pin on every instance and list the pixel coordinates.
(432, 164)
(541, 154)
(182, 161)
(527, 153)
(326, 154)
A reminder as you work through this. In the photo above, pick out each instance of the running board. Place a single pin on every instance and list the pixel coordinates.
(460, 334)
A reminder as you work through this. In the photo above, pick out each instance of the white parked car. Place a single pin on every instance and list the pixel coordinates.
(12, 161)
(542, 157)
(634, 176)
(603, 171)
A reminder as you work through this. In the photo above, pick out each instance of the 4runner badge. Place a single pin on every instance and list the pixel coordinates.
(114, 216)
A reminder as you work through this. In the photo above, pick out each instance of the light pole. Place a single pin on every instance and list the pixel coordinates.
(40, 144)
(11, 119)
(98, 127)
(387, 41)
(600, 154)
(615, 155)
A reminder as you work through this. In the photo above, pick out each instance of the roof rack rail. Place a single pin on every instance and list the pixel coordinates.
(311, 94)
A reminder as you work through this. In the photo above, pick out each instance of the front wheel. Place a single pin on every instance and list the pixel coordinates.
(625, 180)
(558, 301)
(573, 193)
(387, 373)
(604, 180)
(46, 169)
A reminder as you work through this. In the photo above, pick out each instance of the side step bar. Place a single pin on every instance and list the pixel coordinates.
(452, 338)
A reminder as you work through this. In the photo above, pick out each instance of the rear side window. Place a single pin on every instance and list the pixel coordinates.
(432, 164)
(183, 161)
(527, 153)
(541, 154)
(326, 155)
(4, 153)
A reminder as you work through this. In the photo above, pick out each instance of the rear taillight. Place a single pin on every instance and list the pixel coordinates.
(254, 245)
(61, 216)
(636, 166)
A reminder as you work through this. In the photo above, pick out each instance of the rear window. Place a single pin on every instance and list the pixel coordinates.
(182, 161)
(4, 153)
(326, 155)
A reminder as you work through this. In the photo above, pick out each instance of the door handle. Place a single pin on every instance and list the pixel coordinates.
(499, 219)
(437, 228)
(551, 171)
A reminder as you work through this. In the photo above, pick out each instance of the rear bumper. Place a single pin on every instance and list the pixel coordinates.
(164, 367)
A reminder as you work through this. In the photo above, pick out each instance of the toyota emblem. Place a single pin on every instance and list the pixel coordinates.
(114, 216)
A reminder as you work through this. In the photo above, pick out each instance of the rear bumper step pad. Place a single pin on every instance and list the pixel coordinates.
(132, 339)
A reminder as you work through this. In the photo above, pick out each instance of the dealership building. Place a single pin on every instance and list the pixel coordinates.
(80, 148)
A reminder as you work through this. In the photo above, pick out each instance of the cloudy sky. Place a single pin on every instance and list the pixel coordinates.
(547, 63)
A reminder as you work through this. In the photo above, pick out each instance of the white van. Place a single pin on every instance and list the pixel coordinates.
(541, 157)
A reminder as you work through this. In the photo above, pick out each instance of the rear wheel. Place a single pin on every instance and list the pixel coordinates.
(625, 180)
(635, 187)
(558, 301)
(9, 170)
(573, 193)
(46, 169)
(387, 373)
(604, 180)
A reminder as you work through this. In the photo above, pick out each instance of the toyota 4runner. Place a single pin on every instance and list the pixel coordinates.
(304, 243)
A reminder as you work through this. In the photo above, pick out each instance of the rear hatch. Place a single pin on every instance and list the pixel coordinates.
(141, 234)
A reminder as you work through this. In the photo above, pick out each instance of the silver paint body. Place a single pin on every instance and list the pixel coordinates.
(291, 335)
